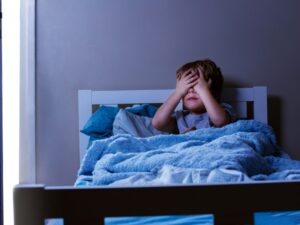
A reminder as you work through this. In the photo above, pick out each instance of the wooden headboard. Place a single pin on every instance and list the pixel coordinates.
(241, 99)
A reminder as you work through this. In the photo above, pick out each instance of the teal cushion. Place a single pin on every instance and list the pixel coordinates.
(100, 123)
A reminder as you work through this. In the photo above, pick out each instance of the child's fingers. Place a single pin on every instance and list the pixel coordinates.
(192, 75)
(204, 78)
(188, 73)
(201, 74)
(199, 71)
(184, 74)
(192, 78)
(187, 79)
(192, 84)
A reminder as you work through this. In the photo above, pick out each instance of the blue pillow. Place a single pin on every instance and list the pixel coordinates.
(100, 124)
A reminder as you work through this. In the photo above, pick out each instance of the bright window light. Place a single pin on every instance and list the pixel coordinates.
(11, 102)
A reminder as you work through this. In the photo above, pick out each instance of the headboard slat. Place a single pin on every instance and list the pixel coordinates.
(85, 111)
(130, 96)
(260, 101)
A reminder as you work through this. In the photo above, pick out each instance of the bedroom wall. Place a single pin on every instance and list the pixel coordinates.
(138, 44)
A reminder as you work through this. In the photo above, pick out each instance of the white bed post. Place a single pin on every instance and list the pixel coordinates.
(27, 163)
(85, 111)
(260, 99)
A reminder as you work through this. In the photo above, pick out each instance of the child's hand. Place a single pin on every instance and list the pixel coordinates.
(187, 80)
(202, 82)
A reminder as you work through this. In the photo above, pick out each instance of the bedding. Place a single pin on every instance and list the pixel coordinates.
(100, 124)
(242, 151)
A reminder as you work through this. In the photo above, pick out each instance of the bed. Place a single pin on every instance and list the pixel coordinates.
(229, 203)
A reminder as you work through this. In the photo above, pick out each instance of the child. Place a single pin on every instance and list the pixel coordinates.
(199, 85)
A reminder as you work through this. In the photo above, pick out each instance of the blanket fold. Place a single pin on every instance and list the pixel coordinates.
(242, 151)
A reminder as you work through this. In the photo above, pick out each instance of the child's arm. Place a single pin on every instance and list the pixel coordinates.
(163, 119)
(216, 112)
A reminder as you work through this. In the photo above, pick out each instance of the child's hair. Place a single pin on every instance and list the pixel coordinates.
(210, 71)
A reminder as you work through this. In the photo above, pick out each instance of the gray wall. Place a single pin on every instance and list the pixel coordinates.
(138, 44)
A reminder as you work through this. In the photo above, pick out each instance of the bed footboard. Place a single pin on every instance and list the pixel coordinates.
(232, 204)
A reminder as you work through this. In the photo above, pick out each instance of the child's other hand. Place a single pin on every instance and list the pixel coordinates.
(202, 82)
(187, 80)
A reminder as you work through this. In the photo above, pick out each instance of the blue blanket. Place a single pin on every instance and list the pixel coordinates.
(242, 151)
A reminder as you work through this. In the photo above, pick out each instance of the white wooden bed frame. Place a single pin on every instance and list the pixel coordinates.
(237, 97)
(231, 204)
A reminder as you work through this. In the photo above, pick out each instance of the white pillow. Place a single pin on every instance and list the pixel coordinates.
(128, 123)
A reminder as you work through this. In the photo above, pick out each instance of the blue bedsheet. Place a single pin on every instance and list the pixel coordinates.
(242, 151)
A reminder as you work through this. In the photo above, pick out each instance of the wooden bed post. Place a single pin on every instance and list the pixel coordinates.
(29, 205)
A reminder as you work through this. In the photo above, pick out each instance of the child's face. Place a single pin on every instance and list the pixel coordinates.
(193, 102)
